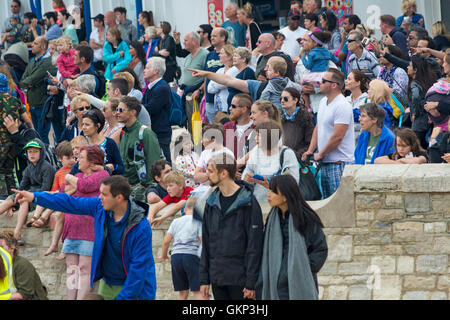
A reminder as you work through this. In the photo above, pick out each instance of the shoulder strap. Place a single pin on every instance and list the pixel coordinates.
(282, 157)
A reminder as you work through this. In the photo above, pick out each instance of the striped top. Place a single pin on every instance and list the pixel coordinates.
(58, 181)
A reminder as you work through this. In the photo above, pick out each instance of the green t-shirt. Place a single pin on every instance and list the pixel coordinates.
(198, 62)
(373, 142)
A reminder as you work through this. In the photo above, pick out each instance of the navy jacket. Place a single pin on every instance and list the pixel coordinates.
(398, 35)
(136, 242)
(157, 101)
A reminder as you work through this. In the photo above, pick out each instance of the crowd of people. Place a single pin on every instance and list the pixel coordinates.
(269, 105)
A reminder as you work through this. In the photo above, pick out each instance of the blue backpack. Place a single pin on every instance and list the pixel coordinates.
(177, 115)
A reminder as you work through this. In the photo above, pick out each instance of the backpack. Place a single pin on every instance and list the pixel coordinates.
(177, 116)
(307, 180)
(102, 87)
(50, 157)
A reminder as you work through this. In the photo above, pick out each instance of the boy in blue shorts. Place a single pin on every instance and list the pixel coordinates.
(186, 234)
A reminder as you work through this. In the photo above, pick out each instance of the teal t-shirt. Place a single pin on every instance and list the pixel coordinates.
(198, 62)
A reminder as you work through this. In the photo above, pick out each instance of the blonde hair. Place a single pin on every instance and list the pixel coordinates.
(77, 101)
(174, 177)
(381, 92)
(365, 30)
(272, 110)
(243, 52)
(127, 76)
(78, 141)
(229, 51)
(64, 40)
(440, 29)
(407, 4)
(247, 9)
(150, 31)
(114, 103)
(278, 65)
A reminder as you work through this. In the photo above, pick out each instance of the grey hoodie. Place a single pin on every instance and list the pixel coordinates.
(38, 178)
(274, 89)
(129, 31)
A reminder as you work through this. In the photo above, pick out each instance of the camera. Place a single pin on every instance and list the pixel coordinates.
(365, 42)
(41, 22)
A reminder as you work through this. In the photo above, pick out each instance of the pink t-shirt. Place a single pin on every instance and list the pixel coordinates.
(78, 227)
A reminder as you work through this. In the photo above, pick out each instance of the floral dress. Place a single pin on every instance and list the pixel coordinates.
(187, 164)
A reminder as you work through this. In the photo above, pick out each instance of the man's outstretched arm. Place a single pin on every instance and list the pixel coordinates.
(222, 79)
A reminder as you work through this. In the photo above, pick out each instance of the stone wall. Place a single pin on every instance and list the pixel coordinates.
(387, 229)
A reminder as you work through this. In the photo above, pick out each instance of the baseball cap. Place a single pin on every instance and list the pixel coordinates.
(293, 13)
(33, 144)
(99, 17)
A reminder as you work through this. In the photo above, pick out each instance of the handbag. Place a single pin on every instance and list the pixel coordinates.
(307, 180)
(196, 124)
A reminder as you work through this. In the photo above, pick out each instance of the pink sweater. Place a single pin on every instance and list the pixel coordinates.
(78, 227)
(66, 64)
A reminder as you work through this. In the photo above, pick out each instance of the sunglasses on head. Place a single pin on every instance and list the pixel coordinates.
(84, 108)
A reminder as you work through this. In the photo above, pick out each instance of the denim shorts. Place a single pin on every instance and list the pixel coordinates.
(185, 272)
(81, 247)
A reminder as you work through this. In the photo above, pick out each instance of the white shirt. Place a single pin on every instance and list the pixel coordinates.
(153, 83)
(98, 53)
(240, 130)
(207, 154)
(290, 45)
(221, 91)
(339, 111)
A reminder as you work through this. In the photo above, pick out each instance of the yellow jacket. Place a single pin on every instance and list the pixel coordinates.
(6, 284)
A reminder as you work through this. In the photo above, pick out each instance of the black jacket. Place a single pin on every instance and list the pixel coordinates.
(438, 150)
(232, 242)
(398, 35)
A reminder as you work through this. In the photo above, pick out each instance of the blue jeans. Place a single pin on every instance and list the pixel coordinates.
(36, 115)
(211, 112)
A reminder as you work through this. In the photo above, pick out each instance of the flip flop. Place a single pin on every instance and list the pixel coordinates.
(41, 222)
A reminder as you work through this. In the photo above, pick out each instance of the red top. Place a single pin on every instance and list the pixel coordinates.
(78, 227)
(186, 193)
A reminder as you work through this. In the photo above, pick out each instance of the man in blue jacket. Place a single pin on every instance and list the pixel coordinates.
(376, 140)
(122, 257)
(157, 101)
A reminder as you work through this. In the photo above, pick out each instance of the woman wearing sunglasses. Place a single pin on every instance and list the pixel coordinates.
(297, 123)
(79, 106)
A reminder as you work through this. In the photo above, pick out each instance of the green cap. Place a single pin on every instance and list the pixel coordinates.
(33, 144)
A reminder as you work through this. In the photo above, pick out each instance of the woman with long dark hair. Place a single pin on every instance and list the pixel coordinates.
(138, 63)
(296, 121)
(295, 247)
(329, 23)
(145, 20)
(422, 78)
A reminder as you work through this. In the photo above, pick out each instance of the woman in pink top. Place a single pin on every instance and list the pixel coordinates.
(78, 232)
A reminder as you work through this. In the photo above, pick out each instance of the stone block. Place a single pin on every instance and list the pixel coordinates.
(418, 248)
(366, 250)
(444, 282)
(438, 296)
(432, 264)
(390, 214)
(381, 226)
(374, 178)
(356, 279)
(393, 249)
(440, 205)
(351, 268)
(359, 293)
(339, 248)
(405, 265)
(371, 201)
(417, 203)
(429, 178)
(394, 201)
(363, 215)
(416, 295)
(385, 263)
(419, 282)
(330, 280)
(435, 227)
(337, 292)
(329, 268)
(321, 292)
(390, 288)
(373, 238)
(408, 231)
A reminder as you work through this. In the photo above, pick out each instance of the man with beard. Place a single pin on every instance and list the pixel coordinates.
(232, 235)
(239, 135)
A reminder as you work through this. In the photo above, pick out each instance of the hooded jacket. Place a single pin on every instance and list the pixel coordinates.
(398, 35)
(384, 147)
(114, 60)
(136, 242)
(232, 242)
(275, 87)
(38, 177)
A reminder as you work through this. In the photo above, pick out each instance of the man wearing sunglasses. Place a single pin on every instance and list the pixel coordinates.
(292, 32)
(333, 137)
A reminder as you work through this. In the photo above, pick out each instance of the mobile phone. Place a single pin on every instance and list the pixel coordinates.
(365, 42)
(260, 178)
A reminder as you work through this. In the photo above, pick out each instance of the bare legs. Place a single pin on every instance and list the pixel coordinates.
(78, 276)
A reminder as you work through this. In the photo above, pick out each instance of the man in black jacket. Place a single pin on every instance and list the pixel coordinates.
(232, 235)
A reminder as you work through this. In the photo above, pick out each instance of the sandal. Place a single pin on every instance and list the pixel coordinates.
(41, 222)
(32, 221)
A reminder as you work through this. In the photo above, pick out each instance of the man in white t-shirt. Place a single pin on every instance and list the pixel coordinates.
(292, 32)
(333, 136)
